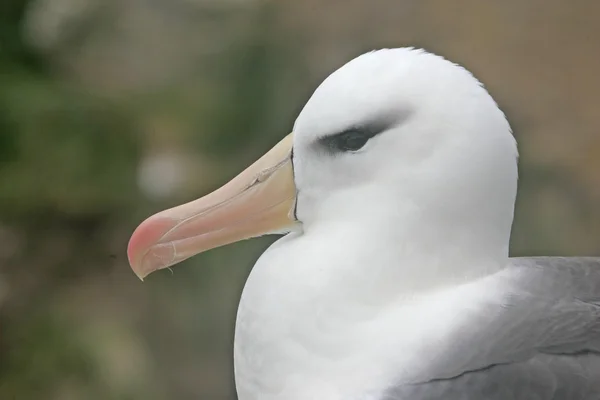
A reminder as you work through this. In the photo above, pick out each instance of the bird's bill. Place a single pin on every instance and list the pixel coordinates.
(258, 201)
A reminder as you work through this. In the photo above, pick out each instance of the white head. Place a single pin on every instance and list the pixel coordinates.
(401, 143)
(440, 166)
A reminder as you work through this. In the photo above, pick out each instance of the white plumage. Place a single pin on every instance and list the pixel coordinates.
(395, 281)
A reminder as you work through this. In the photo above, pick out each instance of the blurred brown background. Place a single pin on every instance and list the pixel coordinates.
(111, 110)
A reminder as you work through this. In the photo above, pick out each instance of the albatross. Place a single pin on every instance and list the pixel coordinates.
(395, 194)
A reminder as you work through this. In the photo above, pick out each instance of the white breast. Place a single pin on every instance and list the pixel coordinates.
(298, 337)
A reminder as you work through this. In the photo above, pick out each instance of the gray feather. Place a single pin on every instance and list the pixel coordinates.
(540, 342)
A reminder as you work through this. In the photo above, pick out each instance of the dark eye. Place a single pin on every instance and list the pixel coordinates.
(350, 140)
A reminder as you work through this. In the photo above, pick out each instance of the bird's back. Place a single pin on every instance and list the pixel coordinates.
(542, 341)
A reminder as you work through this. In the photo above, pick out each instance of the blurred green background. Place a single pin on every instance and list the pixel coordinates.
(111, 110)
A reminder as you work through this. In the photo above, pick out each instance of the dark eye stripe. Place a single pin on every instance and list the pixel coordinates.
(349, 140)
(355, 137)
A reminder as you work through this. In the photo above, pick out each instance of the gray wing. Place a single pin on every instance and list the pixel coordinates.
(541, 342)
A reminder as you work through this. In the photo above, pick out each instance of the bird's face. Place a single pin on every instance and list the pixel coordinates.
(398, 132)
(392, 132)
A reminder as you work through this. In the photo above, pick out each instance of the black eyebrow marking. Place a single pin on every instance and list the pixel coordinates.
(331, 142)
(368, 130)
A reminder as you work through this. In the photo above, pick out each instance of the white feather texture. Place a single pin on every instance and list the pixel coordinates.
(397, 238)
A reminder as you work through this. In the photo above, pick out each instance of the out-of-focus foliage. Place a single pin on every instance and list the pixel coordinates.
(112, 110)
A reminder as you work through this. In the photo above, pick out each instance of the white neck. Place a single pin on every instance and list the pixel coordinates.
(404, 242)
(309, 297)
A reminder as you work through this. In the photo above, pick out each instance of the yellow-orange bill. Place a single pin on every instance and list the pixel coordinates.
(258, 201)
